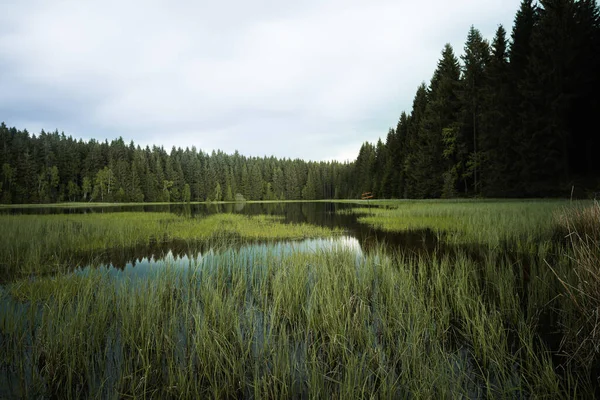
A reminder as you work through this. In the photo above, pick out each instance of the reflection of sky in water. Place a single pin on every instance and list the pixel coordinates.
(249, 254)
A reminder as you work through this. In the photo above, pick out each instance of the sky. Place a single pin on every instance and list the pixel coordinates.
(305, 79)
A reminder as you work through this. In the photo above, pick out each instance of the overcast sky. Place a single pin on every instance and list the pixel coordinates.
(307, 79)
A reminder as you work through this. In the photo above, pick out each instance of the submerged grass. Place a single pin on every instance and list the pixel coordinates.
(253, 326)
(38, 243)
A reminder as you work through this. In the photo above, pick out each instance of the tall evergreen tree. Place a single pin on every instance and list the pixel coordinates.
(441, 115)
(475, 60)
(496, 139)
(415, 159)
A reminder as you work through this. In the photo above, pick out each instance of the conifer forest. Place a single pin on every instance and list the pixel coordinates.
(514, 117)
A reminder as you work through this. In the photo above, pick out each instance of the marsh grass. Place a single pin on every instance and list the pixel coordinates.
(491, 223)
(580, 228)
(320, 324)
(33, 244)
(314, 324)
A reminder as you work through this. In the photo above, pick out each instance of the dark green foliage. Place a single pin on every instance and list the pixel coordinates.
(475, 62)
(414, 143)
(515, 119)
(496, 139)
(53, 168)
(439, 121)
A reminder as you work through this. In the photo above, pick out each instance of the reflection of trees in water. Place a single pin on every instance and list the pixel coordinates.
(120, 257)
(417, 243)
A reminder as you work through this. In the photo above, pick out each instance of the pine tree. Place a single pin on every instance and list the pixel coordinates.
(278, 183)
(228, 193)
(8, 180)
(381, 176)
(442, 112)
(256, 182)
(415, 142)
(558, 75)
(497, 143)
(292, 187)
(364, 168)
(217, 194)
(246, 185)
(584, 81)
(398, 150)
(309, 192)
(187, 193)
(475, 59)
(519, 56)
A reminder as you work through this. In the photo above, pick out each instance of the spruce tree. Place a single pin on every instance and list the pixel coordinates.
(475, 59)
(442, 113)
(414, 168)
(496, 139)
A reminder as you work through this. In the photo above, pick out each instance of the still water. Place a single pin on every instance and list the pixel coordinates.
(148, 259)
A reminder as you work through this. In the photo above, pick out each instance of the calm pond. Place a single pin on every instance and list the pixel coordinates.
(141, 260)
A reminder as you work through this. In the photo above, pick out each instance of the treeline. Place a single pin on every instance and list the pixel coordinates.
(515, 117)
(51, 167)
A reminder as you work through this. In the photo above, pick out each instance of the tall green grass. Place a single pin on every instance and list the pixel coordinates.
(580, 228)
(514, 320)
(315, 325)
(480, 222)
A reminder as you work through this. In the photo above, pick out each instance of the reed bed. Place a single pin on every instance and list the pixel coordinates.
(258, 326)
(516, 320)
(492, 223)
(580, 228)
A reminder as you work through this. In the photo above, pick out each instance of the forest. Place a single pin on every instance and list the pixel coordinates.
(514, 117)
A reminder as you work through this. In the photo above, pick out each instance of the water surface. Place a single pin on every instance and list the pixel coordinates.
(357, 237)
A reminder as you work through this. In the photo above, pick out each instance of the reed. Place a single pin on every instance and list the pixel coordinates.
(580, 280)
(483, 222)
(273, 324)
(323, 324)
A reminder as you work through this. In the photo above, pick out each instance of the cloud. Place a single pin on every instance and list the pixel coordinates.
(294, 79)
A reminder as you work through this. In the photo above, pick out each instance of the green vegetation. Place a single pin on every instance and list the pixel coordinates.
(507, 322)
(507, 119)
(505, 303)
(581, 227)
(31, 244)
(317, 324)
(490, 222)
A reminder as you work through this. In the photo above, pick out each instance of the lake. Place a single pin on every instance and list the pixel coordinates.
(357, 237)
(396, 299)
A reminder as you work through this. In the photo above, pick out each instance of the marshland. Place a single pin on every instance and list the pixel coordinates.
(305, 200)
(390, 299)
